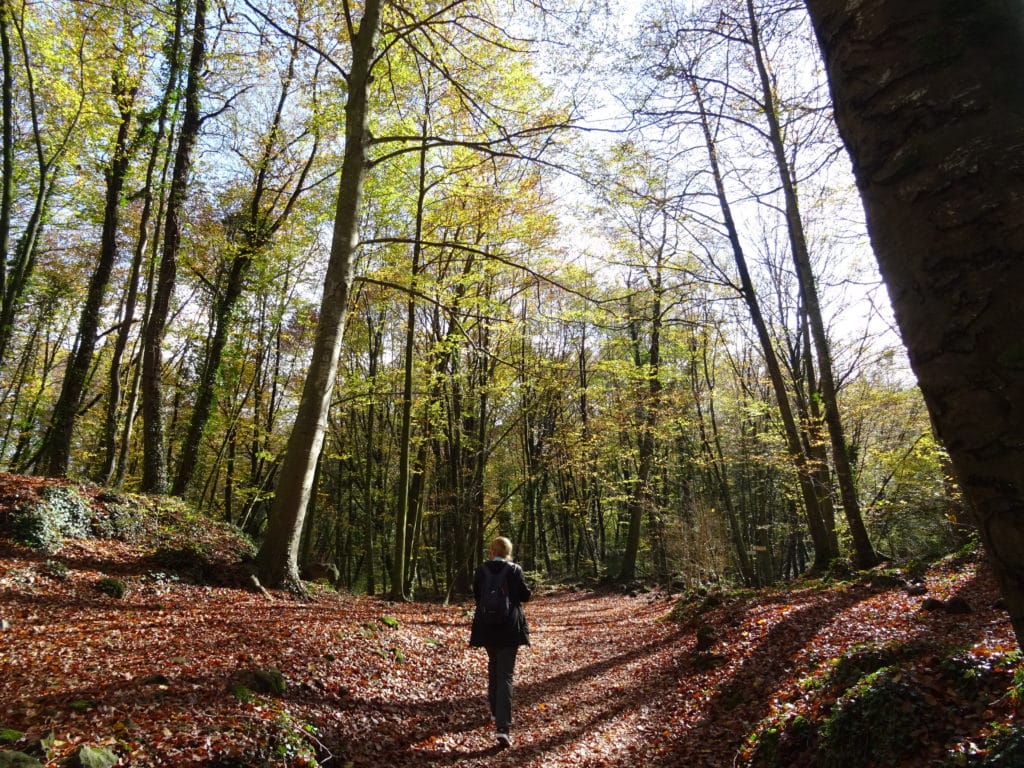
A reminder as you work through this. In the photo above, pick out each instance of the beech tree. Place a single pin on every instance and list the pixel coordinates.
(154, 477)
(484, 126)
(280, 171)
(929, 104)
(278, 557)
(124, 86)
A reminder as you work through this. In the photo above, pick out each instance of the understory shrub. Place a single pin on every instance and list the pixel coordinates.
(191, 560)
(120, 518)
(869, 723)
(862, 661)
(780, 741)
(1005, 748)
(55, 569)
(60, 513)
(877, 705)
(108, 585)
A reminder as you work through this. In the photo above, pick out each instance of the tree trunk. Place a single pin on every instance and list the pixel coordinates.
(17, 274)
(154, 475)
(206, 390)
(398, 580)
(278, 557)
(7, 105)
(823, 552)
(57, 448)
(929, 103)
(711, 446)
(865, 554)
(113, 461)
(253, 234)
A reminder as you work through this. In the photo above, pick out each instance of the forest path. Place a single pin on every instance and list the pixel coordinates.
(608, 681)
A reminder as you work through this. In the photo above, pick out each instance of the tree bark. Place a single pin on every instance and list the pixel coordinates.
(929, 103)
(823, 552)
(278, 557)
(398, 586)
(865, 556)
(57, 449)
(7, 106)
(154, 475)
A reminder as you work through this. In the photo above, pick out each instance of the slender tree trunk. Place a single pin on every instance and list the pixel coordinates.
(369, 497)
(19, 271)
(809, 409)
(205, 392)
(7, 105)
(56, 454)
(641, 496)
(929, 103)
(278, 557)
(865, 556)
(115, 451)
(712, 448)
(823, 552)
(405, 437)
(255, 235)
(154, 475)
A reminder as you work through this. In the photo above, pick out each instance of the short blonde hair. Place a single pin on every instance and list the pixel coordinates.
(501, 547)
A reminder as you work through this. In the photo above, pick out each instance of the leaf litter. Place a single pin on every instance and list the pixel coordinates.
(610, 680)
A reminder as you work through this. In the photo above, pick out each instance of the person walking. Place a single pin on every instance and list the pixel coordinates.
(499, 626)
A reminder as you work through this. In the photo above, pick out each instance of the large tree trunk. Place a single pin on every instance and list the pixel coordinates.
(929, 102)
(278, 557)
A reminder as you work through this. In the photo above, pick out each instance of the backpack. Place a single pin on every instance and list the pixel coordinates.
(494, 607)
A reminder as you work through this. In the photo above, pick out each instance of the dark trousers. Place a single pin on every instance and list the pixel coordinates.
(501, 664)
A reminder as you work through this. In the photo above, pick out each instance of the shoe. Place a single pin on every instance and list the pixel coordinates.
(504, 742)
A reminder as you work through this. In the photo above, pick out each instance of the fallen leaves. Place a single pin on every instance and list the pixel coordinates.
(608, 681)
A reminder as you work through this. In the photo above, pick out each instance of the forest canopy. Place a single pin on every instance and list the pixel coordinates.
(599, 279)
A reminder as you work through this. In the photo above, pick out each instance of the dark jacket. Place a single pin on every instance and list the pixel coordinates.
(515, 631)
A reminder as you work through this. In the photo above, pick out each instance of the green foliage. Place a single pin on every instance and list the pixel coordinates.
(860, 662)
(778, 739)
(81, 705)
(390, 621)
(242, 693)
(293, 739)
(11, 759)
(1013, 660)
(10, 735)
(869, 724)
(55, 569)
(1004, 748)
(120, 517)
(109, 585)
(96, 757)
(59, 513)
